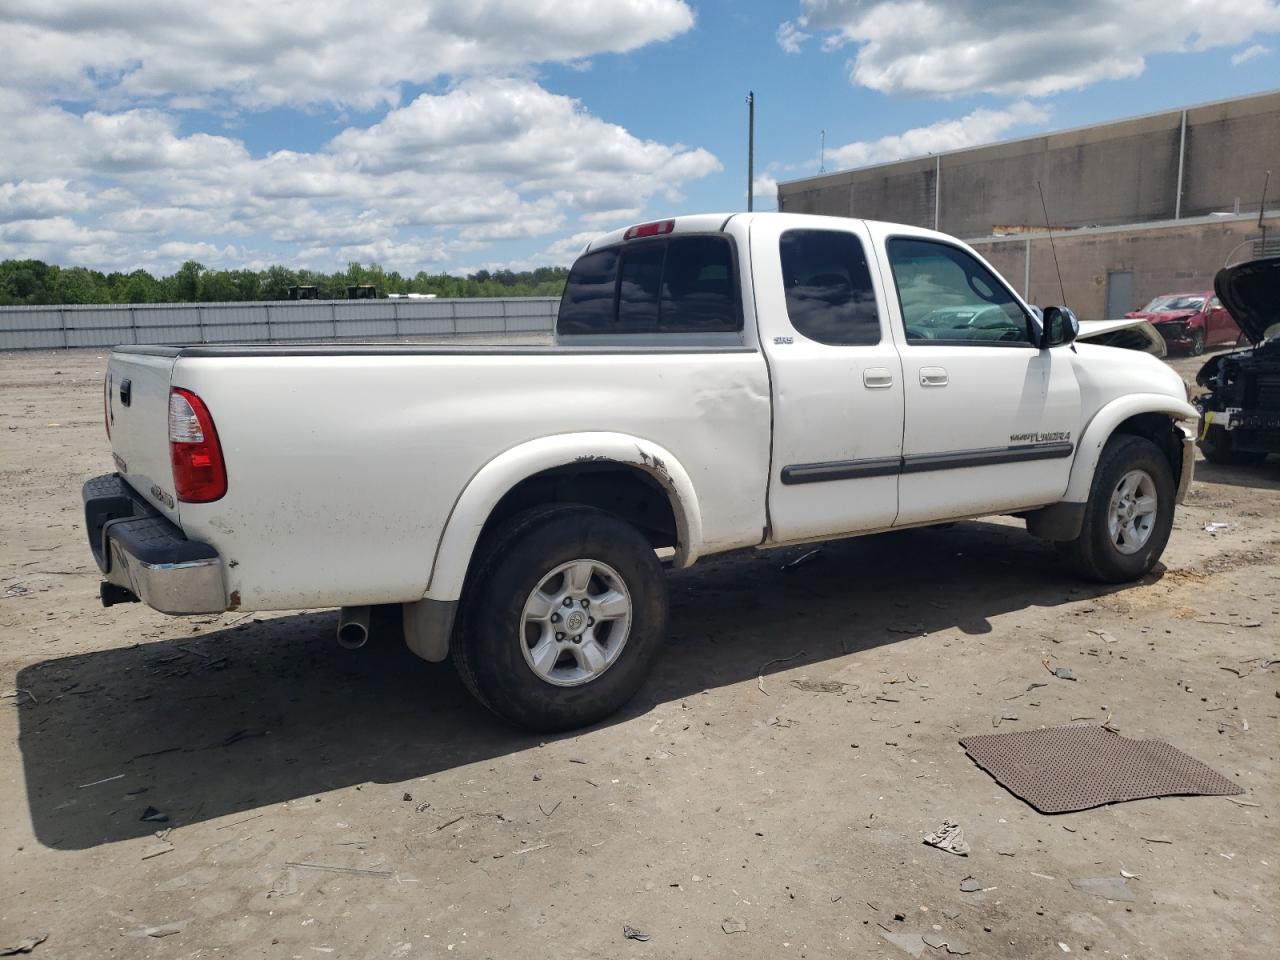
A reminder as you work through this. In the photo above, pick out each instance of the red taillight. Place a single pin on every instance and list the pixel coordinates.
(199, 474)
(655, 229)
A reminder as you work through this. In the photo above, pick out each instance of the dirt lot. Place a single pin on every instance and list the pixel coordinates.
(322, 802)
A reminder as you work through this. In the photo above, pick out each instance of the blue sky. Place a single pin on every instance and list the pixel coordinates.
(437, 136)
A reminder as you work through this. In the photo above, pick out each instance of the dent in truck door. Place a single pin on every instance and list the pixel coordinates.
(989, 415)
(837, 380)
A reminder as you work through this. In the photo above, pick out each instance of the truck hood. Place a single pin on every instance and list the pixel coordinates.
(1251, 293)
(1132, 333)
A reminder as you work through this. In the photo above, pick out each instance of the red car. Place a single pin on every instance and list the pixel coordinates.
(1190, 321)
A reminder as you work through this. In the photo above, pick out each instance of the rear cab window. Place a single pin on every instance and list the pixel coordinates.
(682, 284)
(830, 295)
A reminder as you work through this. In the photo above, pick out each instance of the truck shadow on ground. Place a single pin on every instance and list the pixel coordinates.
(266, 712)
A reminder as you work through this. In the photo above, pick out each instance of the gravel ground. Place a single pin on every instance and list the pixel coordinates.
(322, 802)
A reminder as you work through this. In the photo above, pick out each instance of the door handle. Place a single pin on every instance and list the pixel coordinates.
(877, 378)
(933, 377)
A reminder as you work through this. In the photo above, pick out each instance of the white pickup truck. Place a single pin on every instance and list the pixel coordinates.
(717, 382)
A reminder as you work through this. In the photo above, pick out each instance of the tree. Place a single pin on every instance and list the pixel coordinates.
(187, 281)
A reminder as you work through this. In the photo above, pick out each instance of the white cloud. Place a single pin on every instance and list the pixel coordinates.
(1253, 52)
(37, 199)
(193, 53)
(488, 161)
(1022, 47)
(790, 37)
(764, 190)
(981, 126)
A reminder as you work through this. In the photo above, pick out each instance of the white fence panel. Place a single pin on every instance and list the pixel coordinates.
(44, 328)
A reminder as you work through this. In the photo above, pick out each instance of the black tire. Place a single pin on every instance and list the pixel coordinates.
(1197, 343)
(1218, 448)
(1093, 554)
(487, 646)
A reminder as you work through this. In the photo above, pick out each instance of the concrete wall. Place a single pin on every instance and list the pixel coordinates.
(1114, 173)
(1163, 258)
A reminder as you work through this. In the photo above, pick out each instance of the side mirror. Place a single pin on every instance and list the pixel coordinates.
(1060, 327)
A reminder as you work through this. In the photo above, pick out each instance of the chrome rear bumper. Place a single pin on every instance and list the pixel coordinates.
(140, 552)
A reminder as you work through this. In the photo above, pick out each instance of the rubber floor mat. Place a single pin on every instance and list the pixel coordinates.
(1060, 769)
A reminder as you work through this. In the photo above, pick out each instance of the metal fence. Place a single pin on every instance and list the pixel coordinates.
(51, 328)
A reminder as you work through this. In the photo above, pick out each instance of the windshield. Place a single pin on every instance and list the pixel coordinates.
(1174, 301)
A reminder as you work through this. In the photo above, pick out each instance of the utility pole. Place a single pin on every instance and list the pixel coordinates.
(822, 151)
(751, 148)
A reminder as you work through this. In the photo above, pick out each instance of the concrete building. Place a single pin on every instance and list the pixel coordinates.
(1139, 207)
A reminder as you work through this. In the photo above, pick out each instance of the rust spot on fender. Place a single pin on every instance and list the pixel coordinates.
(233, 603)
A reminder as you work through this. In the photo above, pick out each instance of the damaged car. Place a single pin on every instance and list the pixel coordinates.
(1240, 413)
(1190, 322)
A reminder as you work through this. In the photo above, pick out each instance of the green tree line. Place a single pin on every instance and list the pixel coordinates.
(36, 282)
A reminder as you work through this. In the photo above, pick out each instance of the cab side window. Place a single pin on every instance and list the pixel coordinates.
(948, 296)
(830, 296)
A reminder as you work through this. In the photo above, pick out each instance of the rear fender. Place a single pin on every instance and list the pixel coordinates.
(502, 473)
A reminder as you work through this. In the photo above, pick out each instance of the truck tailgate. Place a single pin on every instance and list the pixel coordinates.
(138, 418)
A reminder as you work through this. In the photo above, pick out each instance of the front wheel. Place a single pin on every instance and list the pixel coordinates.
(1197, 343)
(1129, 514)
(563, 617)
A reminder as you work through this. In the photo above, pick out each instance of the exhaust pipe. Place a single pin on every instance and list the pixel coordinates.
(353, 627)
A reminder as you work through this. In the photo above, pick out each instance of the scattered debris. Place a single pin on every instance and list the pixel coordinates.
(1156, 839)
(1042, 876)
(1076, 767)
(1216, 526)
(25, 945)
(449, 823)
(548, 813)
(1129, 875)
(765, 666)
(937, 940)
(1244, 803)
(407, 798)
(801, 560)
(236, 823)
(969, 885)
(1250, 622)
(1109, 888)
(732, 925)
(286, 885)
(819, 686)
(332, 868)
(163, 930)
(152, 815)
(1104, 636)
(151, 851)
(631, 933)
(94, 783)
(949, 837)
(541, 846)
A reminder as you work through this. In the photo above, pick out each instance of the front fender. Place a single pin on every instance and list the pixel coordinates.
(1103, 425)
(493, 481)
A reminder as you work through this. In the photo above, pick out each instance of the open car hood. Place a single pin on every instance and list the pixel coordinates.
(1251, 293)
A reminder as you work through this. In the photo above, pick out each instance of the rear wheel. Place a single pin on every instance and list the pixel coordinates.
(563, 617)
(1129, 514)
